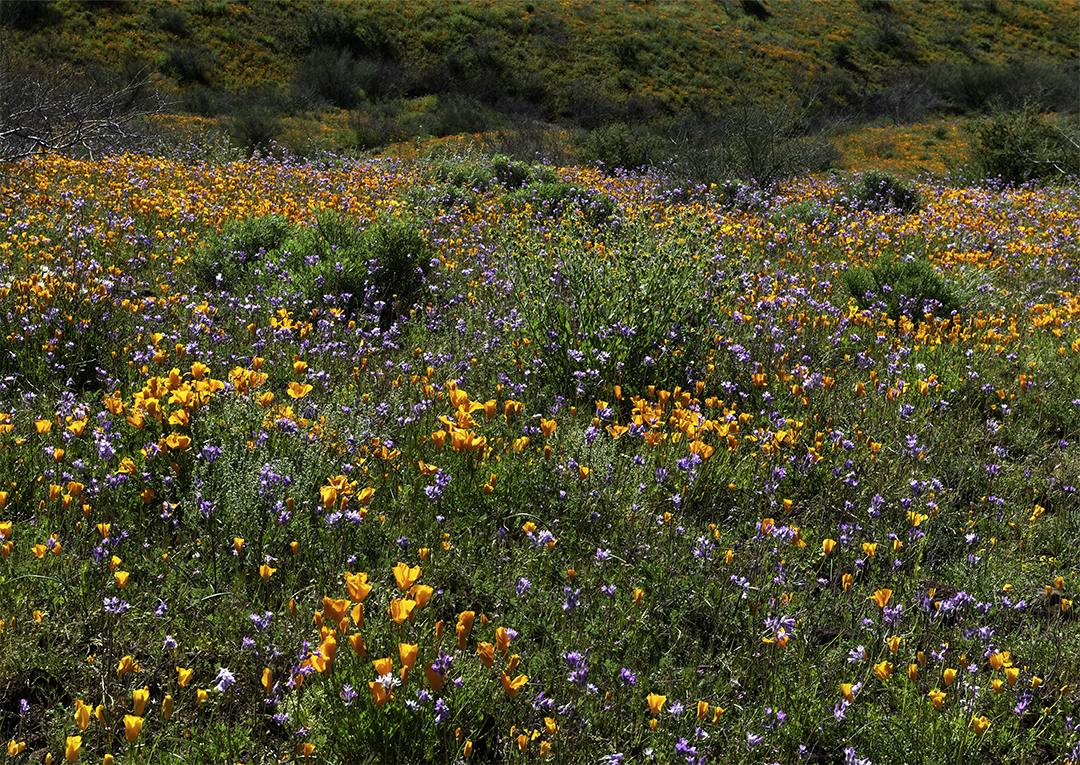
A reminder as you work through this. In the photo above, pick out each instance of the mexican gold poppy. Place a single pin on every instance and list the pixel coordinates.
(378, 692)
(127, 664)
(71, 749)
(656, 703)
(266, 572)
(139, 697)
(358, 586)
(847, 693)
(464, 627)
(881, 597)
(1011, 675)
(828, 545)
(435, 680)
(323, 660)
(335, 610)
(166, 706)
(383, 666)
(121, 578)
(948, 676)
(421, 593)
(238, 544)
(82, 714)
(980, 724)
(400, 610)
(356, 640)
(883, 670)
(937, 697)
(296, 390)
(913, 672)
(184, 676)
(512, 686)
(487, 654)
(502, 640)
(407, 652)
(132, 728)
(405, 576)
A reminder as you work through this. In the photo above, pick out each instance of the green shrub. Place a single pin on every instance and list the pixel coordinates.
(881, 192)
(902, 287)
(806, 213)
(188, 63)
(333, 76)
(616, 146)
(255, 127)
(559, 199)
(461, 114)
(403, 260)
(511, 174)
(1021, 145)
(382, 267)
(224, 262)
(479, 173)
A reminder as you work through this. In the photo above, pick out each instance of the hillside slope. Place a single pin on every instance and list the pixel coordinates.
(441, 67)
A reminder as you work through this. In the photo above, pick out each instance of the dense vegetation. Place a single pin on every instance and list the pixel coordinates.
(360, 75)
(491, 449)
(563, 464)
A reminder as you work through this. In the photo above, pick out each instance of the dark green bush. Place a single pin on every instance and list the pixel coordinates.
(1048, 86)
(1022, 145)
(459, 114)
(255, 127)
(511, 174)
(559, 199)
(403, 260)
(881, 192)
(188, 63)
(225, 262)
(617, 146)
(902, 287)
(333, 76)
(480, 173)
(174, 21)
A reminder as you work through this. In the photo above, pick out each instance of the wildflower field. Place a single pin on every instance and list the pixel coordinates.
(457, 458)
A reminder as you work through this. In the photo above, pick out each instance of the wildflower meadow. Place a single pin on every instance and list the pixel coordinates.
(455, 458)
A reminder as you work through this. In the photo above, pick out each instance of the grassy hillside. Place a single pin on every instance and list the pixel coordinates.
(442, 67)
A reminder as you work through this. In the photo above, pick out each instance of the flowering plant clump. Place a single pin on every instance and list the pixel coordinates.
(652, 485)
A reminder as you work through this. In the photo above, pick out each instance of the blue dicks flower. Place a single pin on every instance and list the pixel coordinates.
(571, 598)
(225, 680)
